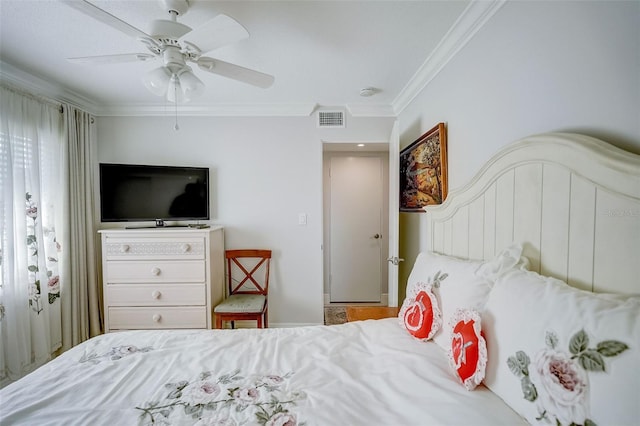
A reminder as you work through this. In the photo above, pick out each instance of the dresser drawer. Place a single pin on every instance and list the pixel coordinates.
(155, 294)
(179, 248)
(129, 318)
(155, 271)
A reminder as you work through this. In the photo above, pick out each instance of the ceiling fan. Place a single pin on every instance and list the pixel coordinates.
(176, 45)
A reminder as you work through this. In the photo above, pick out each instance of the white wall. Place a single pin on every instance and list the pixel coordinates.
(536, 66)
(264, 172)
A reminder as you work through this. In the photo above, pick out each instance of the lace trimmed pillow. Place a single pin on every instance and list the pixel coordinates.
(420, 314)
(468, 350)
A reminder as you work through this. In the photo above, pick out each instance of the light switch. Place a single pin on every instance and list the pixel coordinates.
(302, 218)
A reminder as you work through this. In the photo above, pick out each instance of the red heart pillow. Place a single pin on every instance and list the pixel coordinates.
(468, 352)
(420, 313)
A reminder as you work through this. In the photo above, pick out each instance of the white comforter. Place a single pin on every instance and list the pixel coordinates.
(360, 373)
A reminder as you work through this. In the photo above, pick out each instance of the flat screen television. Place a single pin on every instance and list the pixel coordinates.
(135, 193)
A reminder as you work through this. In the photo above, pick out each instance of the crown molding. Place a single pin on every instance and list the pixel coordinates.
(219, 110)
(466, 26)
(38, 86)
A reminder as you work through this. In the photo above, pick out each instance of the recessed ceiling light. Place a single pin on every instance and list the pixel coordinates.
(360, 145)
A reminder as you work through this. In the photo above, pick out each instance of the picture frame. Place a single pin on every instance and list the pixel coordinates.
(423, 171)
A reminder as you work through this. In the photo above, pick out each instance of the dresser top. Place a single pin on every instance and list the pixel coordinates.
(159, 229)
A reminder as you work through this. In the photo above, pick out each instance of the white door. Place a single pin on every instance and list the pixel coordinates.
(356, 229)
(394, 208)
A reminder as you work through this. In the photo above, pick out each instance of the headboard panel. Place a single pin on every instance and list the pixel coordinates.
(573, 202)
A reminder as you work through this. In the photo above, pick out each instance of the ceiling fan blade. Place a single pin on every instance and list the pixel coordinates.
(216, 33)
(235, 72)
(105, 17)
(113, 59)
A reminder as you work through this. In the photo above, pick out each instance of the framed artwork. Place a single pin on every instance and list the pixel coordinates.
(423, 171)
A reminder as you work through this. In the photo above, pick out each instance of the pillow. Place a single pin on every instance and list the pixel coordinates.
(561, 355)
(468, 349)
(460, 283)
(420, 314)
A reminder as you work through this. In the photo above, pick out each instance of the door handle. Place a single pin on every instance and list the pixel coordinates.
(395, 260)
(377, 236)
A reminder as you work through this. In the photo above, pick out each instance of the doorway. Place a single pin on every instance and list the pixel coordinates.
(355, 223)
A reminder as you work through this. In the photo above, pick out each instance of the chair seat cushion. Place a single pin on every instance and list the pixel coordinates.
(241, 303)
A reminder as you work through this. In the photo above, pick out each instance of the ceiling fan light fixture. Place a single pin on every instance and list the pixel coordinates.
(192, 86)
(174, 91)
(157, 81)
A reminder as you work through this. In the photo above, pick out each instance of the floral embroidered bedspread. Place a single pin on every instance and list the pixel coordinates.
(361, 373)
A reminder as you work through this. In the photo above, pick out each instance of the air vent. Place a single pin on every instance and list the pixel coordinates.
(330, 119)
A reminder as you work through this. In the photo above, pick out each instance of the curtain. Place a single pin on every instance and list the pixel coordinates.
(49, 287)
(81, 300)
(31, 135)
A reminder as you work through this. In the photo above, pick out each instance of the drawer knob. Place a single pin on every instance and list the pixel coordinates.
(124, 248)
(156, 317)
(156, 294)
(155, 271)
(185, 247)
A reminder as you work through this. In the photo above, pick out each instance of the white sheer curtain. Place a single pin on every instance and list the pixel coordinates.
(31, 138)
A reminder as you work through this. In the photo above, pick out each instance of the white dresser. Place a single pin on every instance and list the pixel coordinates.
(161, 277)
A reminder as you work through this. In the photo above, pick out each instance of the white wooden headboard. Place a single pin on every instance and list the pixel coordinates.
(573, 201)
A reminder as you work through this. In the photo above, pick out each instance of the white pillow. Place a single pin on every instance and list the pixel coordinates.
(561, 355)
(459, 283)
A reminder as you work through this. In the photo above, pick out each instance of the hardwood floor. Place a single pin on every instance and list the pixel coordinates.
(343, 313)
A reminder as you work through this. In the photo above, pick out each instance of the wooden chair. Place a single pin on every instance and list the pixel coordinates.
(248, 285)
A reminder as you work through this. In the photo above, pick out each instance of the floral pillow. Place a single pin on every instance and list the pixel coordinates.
(459, 283)
(468, 350)
(561, 355)
(420, 314)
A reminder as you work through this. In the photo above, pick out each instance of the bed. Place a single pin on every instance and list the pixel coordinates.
(538, 255)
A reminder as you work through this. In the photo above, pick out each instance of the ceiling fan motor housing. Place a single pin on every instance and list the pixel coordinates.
(173, 59)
